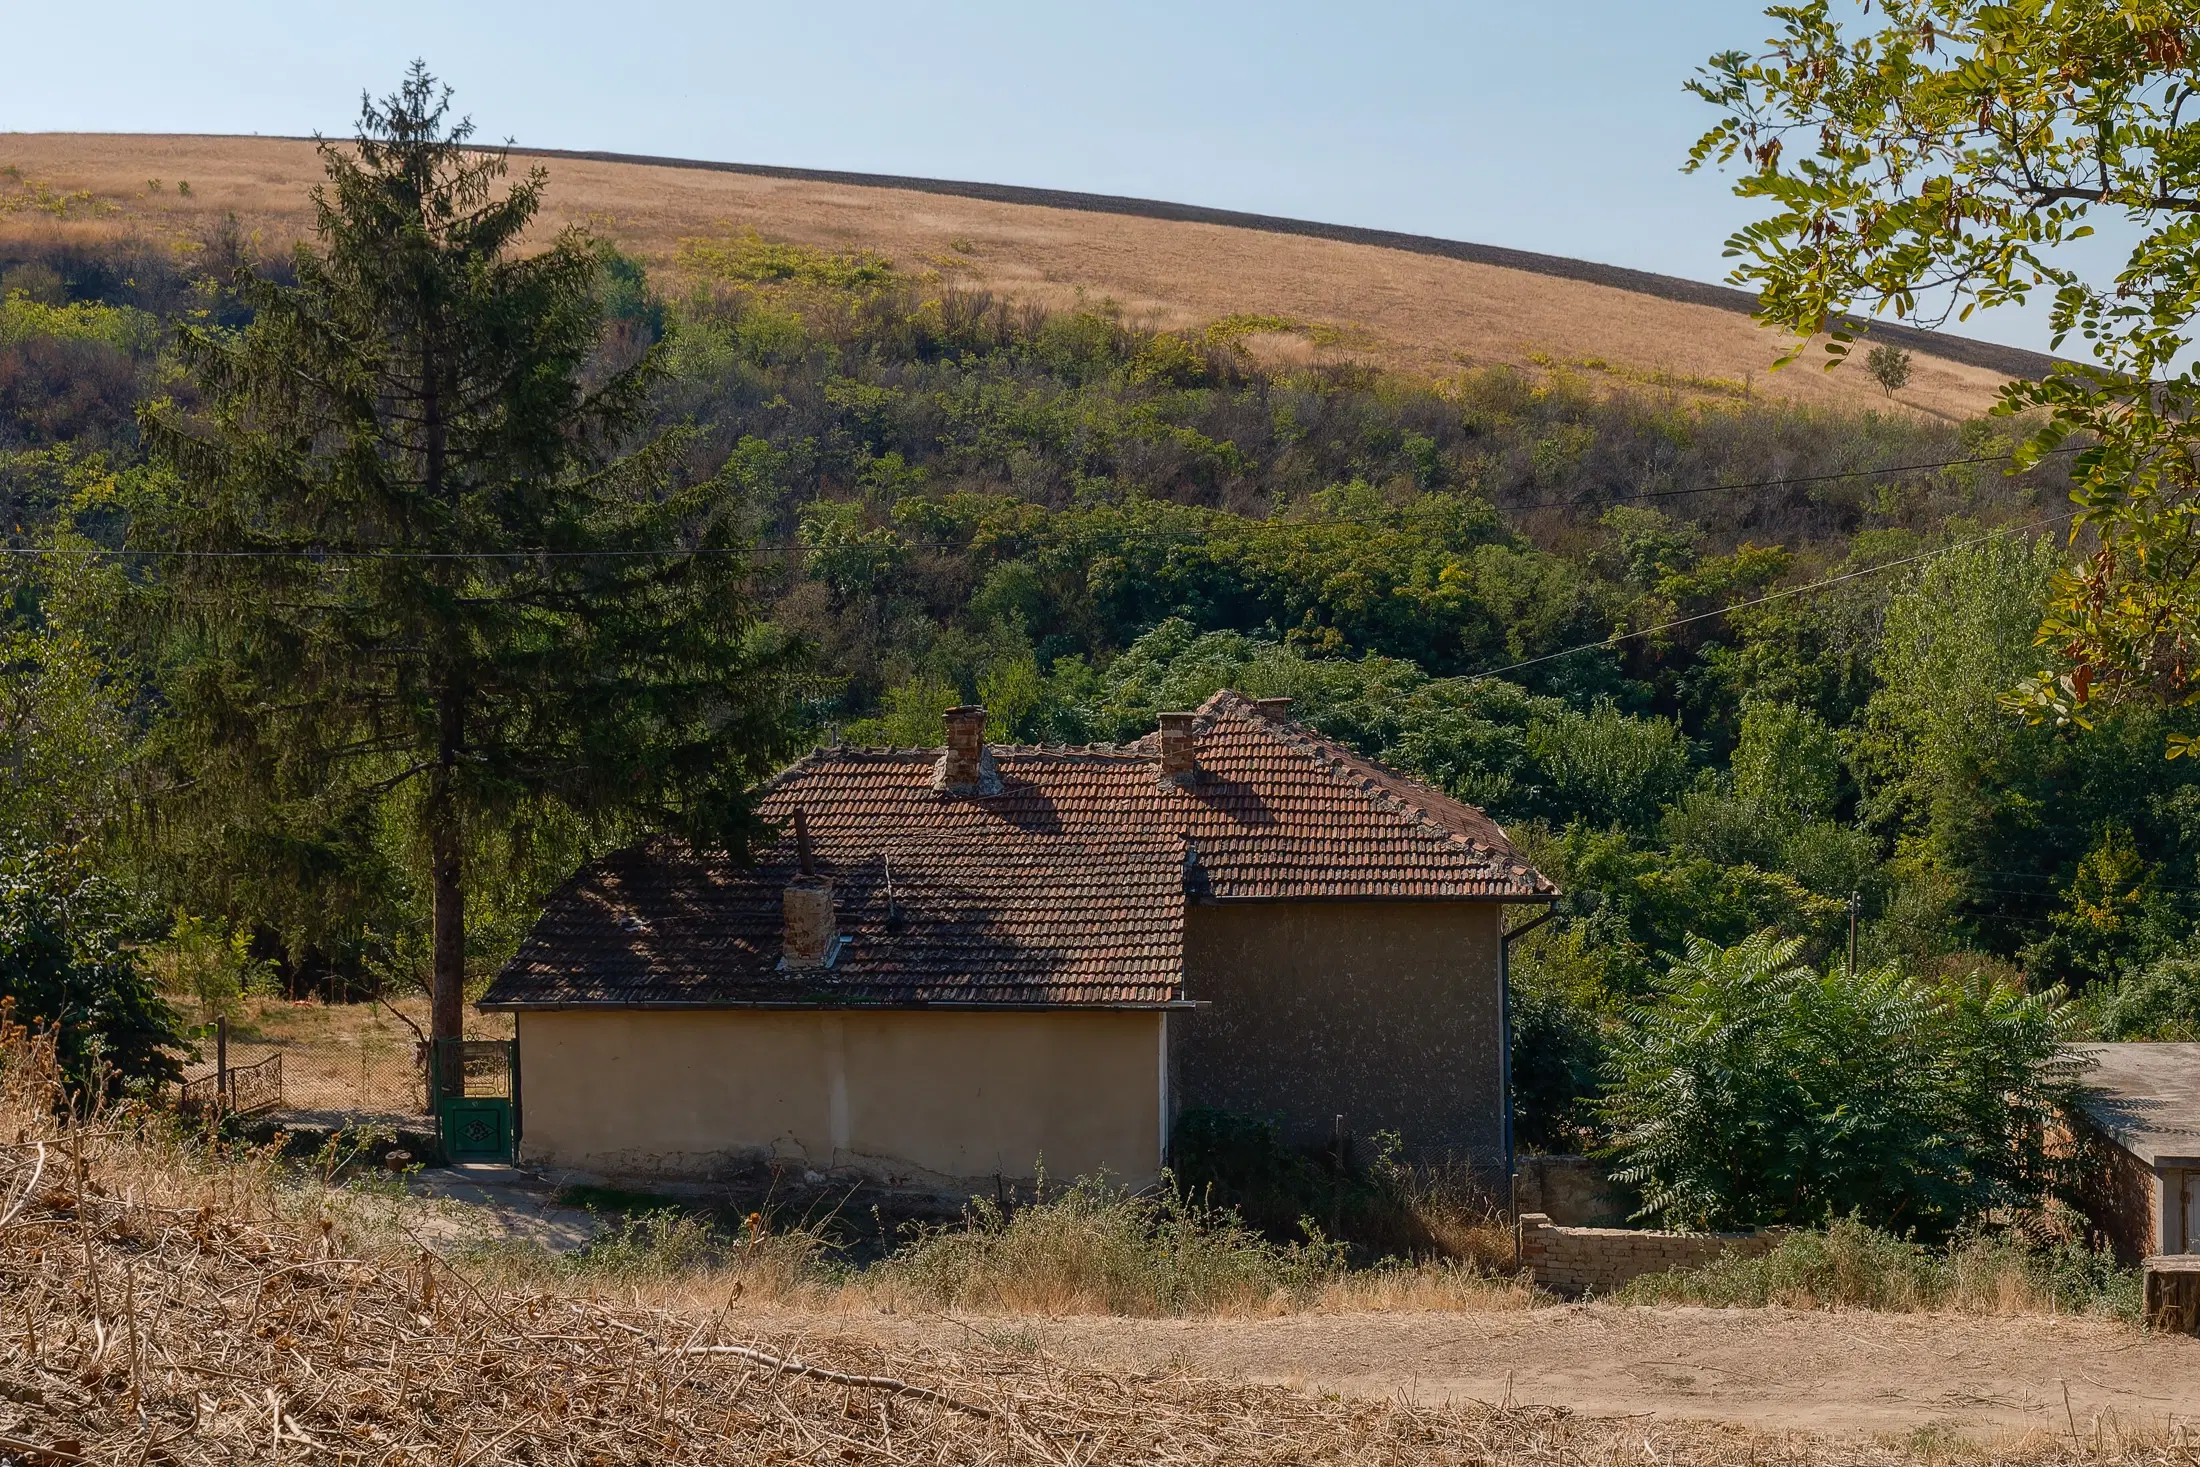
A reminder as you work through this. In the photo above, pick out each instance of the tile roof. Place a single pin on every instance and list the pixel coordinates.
(1066, 887)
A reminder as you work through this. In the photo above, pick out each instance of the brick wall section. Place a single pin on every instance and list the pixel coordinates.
(1599, 1260)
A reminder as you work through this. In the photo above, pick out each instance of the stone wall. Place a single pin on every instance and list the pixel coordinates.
(1599, 1260)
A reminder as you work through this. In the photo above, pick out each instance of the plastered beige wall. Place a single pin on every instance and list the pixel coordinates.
(1385, 1013)
(910, 1098)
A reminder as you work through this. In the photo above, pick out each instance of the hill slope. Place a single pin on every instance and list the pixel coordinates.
(1395, 300)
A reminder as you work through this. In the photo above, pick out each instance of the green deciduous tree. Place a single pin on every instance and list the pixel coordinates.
(1938, 156)
(1612, 768)
(65, 731)
(67, 959)
(1755, 1091)
(429, 578)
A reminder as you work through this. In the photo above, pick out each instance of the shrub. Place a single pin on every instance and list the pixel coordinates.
(2161, 1001)
(1221, 1160)
(1371, 1207)
(1854, 1266)
(217, 968)
(1558, 1047)
(1755, 1091)
(66, 961)
(1097, 1248)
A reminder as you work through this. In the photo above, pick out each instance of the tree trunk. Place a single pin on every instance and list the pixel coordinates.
(447, 1007)
(447, 996)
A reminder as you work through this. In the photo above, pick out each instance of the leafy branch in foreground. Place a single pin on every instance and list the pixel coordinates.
(1949, 155)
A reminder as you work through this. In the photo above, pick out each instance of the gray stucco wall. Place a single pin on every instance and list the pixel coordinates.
(1385, 1013)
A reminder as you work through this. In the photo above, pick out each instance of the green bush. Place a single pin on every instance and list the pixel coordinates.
(66, 959)
(1755, 1091)
(2161, 1001)
(1221, 1160)
(1558, 1049)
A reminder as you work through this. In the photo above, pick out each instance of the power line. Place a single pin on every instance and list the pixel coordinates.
(1873, 570)
(314, 553)
(320, 553)
(1784, 482)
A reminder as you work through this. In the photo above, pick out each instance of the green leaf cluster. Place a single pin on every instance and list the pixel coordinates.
(1754, 1090)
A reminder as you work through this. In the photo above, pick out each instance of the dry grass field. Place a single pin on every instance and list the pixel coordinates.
(1385, 306)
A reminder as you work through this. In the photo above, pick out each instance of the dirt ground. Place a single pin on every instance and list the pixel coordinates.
(1381, 305)
(1842, 1373)
(1772, 1369)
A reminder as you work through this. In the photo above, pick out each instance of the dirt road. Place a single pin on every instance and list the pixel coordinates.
(1770, 1369)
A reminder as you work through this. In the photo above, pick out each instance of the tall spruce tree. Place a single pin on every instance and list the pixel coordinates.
(434, 573)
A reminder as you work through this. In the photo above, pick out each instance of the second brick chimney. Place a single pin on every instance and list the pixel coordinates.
(812, 935)
(1179, 749)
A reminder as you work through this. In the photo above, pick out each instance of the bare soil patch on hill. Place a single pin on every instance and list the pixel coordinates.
(1387, 307)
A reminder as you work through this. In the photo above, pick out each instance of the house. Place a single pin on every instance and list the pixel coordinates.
(961, 965)
(2143, 1103)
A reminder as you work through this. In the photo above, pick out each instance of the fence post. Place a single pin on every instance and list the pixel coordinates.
(221, 1064)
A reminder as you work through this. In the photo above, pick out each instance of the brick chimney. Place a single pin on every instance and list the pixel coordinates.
(1275, 710)
(966, 768)
(812, 936)
(1179, 749)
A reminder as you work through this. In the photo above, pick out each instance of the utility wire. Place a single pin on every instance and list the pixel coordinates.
(1781, 595)
(321, 554)
(311, 553)
(1781, 483)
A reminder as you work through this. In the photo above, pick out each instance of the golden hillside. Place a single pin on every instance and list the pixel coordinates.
(1388, 303)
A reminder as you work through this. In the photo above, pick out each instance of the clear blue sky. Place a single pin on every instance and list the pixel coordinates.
(1552, 125)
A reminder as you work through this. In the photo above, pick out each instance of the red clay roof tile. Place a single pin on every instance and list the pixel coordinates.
(1067, 887)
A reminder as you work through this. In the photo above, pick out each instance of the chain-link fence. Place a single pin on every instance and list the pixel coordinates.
(348, 1079)
(347, 1065)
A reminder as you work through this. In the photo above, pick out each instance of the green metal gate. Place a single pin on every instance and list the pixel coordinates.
(476, 1087)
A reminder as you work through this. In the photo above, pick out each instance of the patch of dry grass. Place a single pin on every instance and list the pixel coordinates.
(1851, 1266)
(1089, 1250)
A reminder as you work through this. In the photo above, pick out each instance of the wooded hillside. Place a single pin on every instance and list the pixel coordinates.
(1721, 662)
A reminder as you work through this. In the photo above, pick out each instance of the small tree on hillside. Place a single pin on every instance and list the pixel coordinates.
(1889, 366)
(423, 588)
